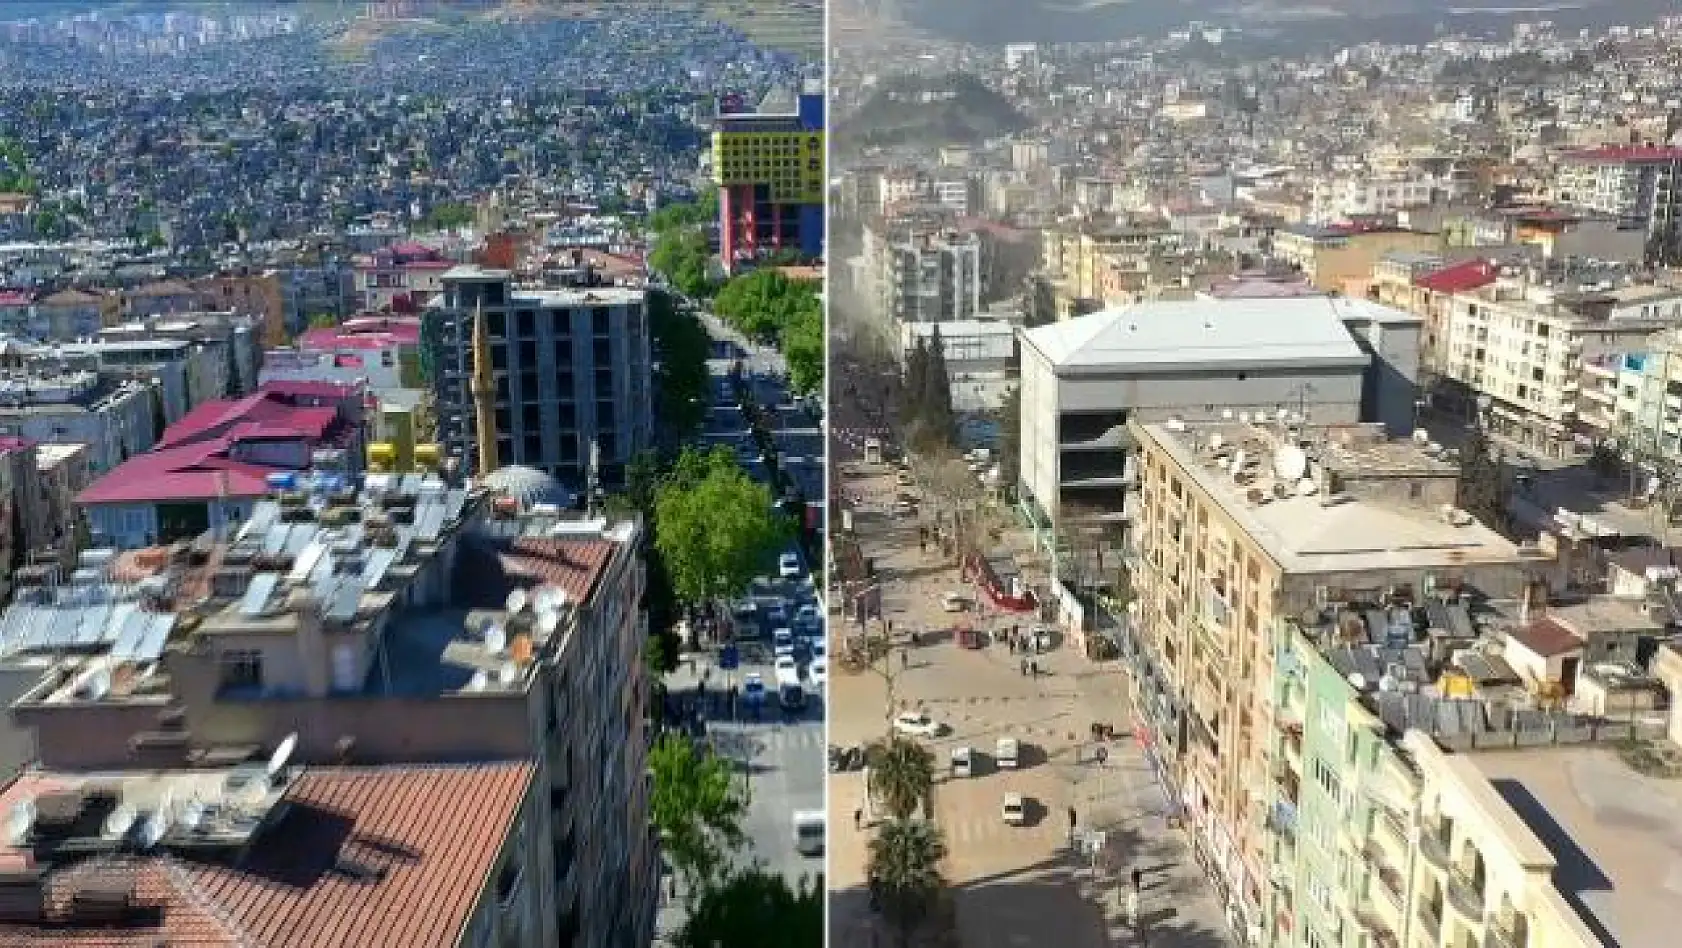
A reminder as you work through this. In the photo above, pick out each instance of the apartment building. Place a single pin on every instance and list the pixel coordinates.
(1638, 184)
(926, 277)
(1328, 359)
(378, 623)
(72, 404)
(1091, 267)
(1543, 363)
(1242, 530)
(1335, 199)
(1334, 256)
(572, 370)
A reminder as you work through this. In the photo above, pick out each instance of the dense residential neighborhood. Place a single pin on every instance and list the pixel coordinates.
(364, 474)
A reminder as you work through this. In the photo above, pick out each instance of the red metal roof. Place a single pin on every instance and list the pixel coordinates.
(310, 389)
(432, 835)
(259, 415)
(1460, 278)
(1628, 154)
(197, 471)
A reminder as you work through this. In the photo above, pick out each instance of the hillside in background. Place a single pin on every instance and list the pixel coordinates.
(911, 110)
(1283, 22)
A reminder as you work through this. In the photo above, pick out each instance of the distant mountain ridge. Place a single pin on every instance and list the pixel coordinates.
(909, 110)
(1335, 22)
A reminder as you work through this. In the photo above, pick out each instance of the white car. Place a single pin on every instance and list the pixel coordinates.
(918, 724)
(953, 602)
(1015, 809)
(788, 566)
(788, 664)
(819, 672)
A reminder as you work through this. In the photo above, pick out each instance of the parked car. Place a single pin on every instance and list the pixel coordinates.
(953, 602)
(1015, 809)
(1008, 753)
(963, 762)
(918, 724)
(786, 663)
(818, 671)
(788, 566)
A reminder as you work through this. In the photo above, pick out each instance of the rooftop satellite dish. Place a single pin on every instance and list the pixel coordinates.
(548, 622)
(1215, 441)
(20, 822)
(543, 600)
(1386, 683)
(517, 601)
(192, 815)
(1358, 681)
(496, 639)
(478, 681)
(119, 821)
(152, 829)
(1289, 463)
(282, 755)
(507, 673)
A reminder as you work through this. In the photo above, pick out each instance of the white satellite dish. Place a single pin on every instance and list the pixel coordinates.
(1215, 441)
(1386, 683)
(20, 822)
(517, 601)
(548, 622)
(496, 639)
(1290, 463)
(282, 755)
(119, 821)
(507, 673)
(478, 681)
(544, 599)
(1358, 681)
(152, 829)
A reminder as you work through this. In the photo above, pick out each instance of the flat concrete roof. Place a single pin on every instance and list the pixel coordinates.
(1303, 534)
(1616, 835)
(1203, 334)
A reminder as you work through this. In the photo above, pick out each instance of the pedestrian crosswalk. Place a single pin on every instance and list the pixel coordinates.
(991, 829)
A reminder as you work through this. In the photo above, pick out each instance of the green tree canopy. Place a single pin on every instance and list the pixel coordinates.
(901, 775)
(698, 807)
(715, 527)
(685, 258)
(1483, 487)
(449, 216)
(681, 346)
(761, 303)
(803, 349)
(904, 871)
(756, 909)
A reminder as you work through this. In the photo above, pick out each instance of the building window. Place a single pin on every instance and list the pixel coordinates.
(241, 668)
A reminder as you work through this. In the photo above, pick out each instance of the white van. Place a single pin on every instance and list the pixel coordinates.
(1007, 754)
(809, 832)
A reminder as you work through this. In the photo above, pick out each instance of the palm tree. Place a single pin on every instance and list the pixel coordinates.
(901, 775)
(904, 873)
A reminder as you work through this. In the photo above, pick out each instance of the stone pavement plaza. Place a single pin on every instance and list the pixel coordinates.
(1012, 885)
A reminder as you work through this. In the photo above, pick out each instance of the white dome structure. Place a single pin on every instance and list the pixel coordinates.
(527, 486)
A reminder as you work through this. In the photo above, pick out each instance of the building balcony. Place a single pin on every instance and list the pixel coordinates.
(1465, 896)
(1376, 928)
(1434, 847)
(1500, 934)
(1430, 923)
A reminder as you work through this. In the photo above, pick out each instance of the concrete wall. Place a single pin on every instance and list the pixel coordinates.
(1194, 392)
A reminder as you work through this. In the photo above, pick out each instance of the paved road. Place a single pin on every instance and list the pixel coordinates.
(1008, 883)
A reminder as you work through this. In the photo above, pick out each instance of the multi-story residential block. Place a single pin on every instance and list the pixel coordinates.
(1640, 185)
(1095, 266)
(1635, 399)
(1336, 199)
(230, 344)
(931, 277)
(376, 624)
(1537, 359)
(1333, 256)
(70, 314)
(73, 404)
(1331, 360)
(571, 370)
(1335, 533)
(382, 352)
(401, 278)
(769, 168)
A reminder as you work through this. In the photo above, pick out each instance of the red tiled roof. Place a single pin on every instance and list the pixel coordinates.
(1627, 154)
(573, 565)
(1460, 278)
(432, 835)
(1547, 637)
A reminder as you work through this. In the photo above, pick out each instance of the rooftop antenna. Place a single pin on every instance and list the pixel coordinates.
(548, 622)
